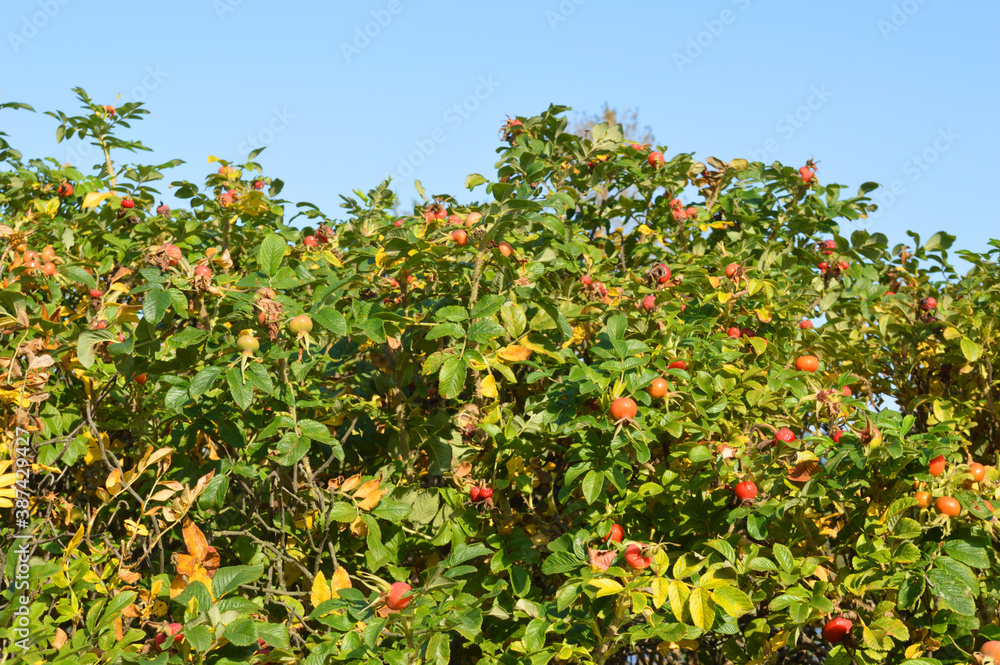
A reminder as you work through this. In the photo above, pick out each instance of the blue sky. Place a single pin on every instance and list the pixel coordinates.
(902, 93)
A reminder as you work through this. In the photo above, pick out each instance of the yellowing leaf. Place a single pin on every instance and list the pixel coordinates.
(914, 651)
(380, 258)
(516, 352)
(764, 315)
(702, 609)
(660, 587)
(489, 387)
(91, 199)
(340, 580)
(606, 587)
(714, 281)
(134, 528)
(321, 591)
(725, 296)
(678, 593)
(644, 230)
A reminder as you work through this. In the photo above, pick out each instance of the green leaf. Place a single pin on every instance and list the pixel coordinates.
(950, 585)
(275, 634)
(229, 578)
(561, 562)
(534, 634)
(784, 557)
(343, 511)
(240, 390)
(241, 633)
(271, 252)
(203, 380)
(474, 180)
(483, 330)
(734, 601)
(445, 330)
(85, 344)
(514, 319)
(451, 313)
(488, 305)
(199, 637)
(438, 649)
(332, 320)
(214, 495)
(616, 327)
(155, 305)
(970, 349)
(593, 486)
(967, 553)
(451, 380)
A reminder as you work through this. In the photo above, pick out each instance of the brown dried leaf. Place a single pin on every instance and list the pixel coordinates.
(372, 500)
(365, 490)
(162, 495)
(194, 539)
(351, 483)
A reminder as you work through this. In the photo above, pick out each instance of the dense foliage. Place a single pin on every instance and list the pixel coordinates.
(252, 429)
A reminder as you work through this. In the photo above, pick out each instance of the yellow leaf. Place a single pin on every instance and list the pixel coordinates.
(644, 230)
(660, 587)
(74, 541)
(739, 164)
(764, 315)
(778, 641)
(724, 296)
(914, 651)
(666, 647)
(579, 335)
(489, 387)
(135, 528)
(91, 199)
(321, 591)
(380, 258)
(212, 158)
(678, 593)
(606, 587)
(702, 609)
(714, 281)
(516, 352)
(340, 580)
(332, 258)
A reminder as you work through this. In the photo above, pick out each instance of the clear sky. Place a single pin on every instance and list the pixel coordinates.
(903, 93)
